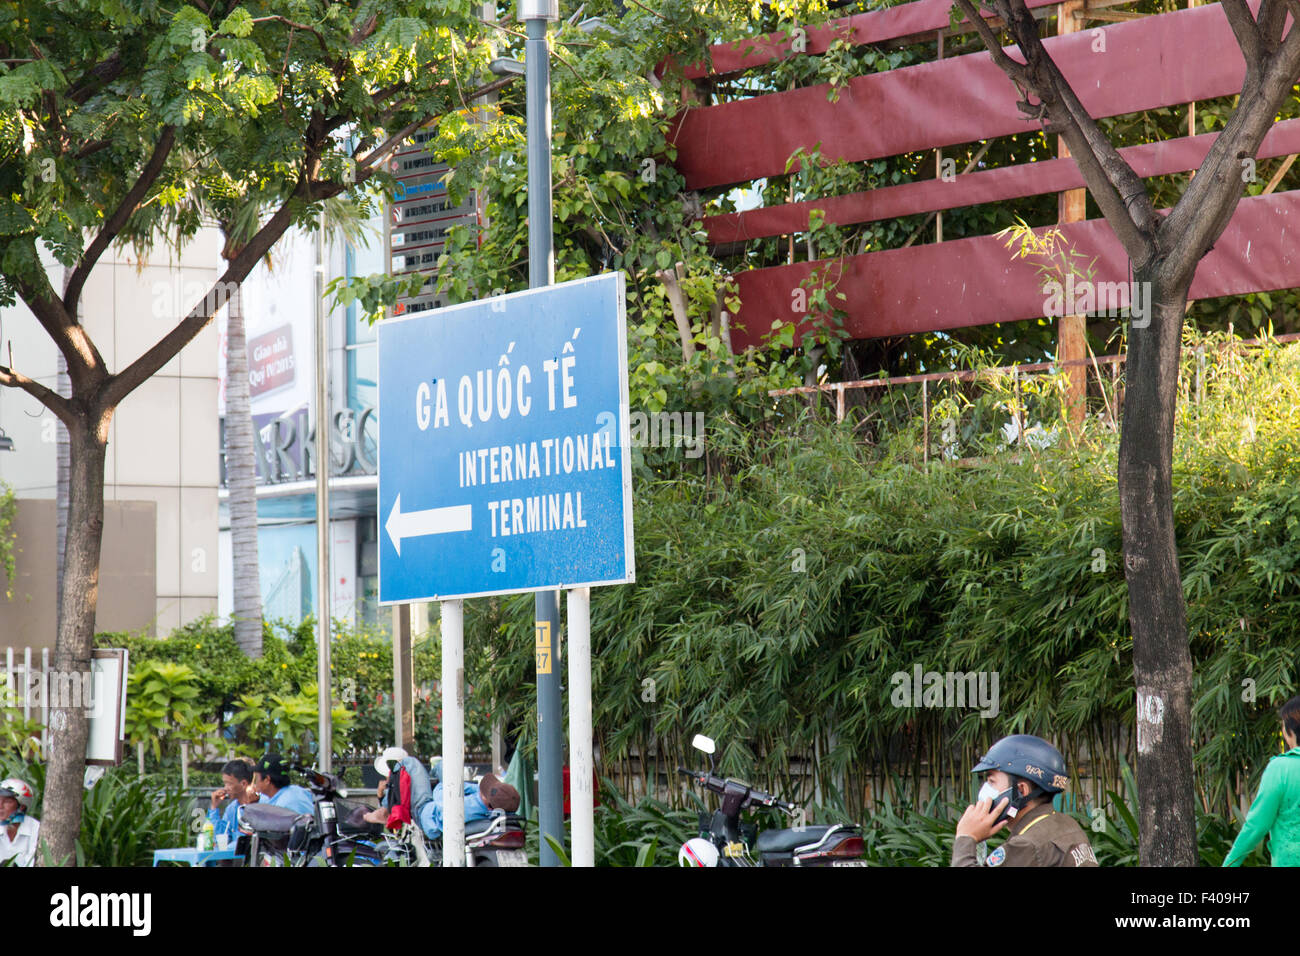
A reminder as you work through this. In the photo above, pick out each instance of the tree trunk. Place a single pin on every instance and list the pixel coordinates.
(61, 815)
(241, 481)
(63, 469)
(1162, 663)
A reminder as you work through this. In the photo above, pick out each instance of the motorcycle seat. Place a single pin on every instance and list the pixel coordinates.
(785, 841)
(269, 820)
(475, 827)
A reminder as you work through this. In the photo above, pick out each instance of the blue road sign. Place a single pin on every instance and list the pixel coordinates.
(504, 462)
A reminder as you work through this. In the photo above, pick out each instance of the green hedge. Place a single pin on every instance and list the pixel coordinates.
(778, 592)
(221, 676)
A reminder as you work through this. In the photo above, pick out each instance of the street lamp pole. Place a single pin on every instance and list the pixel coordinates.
(537, 16)
(324, 695)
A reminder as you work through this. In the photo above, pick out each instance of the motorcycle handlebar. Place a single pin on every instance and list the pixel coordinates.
(316, 778)
(718, 784)
(703, 779)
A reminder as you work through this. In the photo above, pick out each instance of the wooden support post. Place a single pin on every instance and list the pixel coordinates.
(938, 164)
(1191, 107)
(403, 679)
(498, 746)
(1071, 330)
(925, 422)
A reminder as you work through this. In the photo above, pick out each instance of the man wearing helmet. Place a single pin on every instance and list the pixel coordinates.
(1021, 774)
(18, 831)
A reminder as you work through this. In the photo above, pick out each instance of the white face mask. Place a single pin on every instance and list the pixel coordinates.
(995, 796)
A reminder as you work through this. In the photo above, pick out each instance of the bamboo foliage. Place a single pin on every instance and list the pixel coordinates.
(777, 594)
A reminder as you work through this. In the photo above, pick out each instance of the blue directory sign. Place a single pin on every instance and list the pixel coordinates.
(504, 462)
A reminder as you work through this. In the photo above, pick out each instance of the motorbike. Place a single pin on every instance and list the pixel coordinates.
(495, 841)
(725, 841)
(278, 836)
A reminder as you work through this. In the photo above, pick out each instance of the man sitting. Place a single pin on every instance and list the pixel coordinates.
(271, 780)
(237, 787)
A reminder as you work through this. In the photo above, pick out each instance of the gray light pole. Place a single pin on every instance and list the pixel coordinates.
(537, 16)
(324, 692)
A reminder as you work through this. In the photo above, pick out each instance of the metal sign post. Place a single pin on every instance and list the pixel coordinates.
(324, 604)
(505, 467)
(537, 15)
(581, 766)
(453, 733)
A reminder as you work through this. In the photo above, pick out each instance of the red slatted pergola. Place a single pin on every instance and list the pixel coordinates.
(1149, 63)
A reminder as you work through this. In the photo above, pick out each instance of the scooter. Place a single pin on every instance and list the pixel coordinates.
(724, 841)
(277, 836)
(495, 841)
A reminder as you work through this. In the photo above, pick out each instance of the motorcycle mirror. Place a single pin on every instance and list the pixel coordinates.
(703, 744)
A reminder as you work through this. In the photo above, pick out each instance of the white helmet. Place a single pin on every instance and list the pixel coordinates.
(19, 790)
(385, 762)
(697, 852)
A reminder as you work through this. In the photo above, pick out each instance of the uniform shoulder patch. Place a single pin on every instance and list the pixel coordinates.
(1083, 854)
(997, 857)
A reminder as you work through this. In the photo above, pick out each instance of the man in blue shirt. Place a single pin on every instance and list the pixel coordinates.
(271, 780)
(480, 800)
(237, 787)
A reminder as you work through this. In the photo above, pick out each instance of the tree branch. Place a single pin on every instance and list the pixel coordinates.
(94, 79)
(379, 152)
(51, 399)
(297, 26)
(1119, 191)
(1272, 18)
(85, 364)
(118, 220)
(1245, 30)
(363, 30)
(993, 43)
(119, 386)
(1206, 207)
(672, 280)
(381, 95)
(92, 147)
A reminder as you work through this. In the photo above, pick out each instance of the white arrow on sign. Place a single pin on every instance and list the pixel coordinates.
(415, 524)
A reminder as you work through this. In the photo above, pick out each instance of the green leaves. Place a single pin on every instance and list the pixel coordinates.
(189, 29)
(21, 86)
(124, 819)
(160, 706)
(238, 24)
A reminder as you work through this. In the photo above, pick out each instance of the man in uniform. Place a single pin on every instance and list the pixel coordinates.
(1022, 773)
(18, 832)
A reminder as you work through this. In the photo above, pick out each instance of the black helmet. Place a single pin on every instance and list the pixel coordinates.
(1029, 757)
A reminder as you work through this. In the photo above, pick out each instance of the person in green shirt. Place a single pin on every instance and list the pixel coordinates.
(1276, 810)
